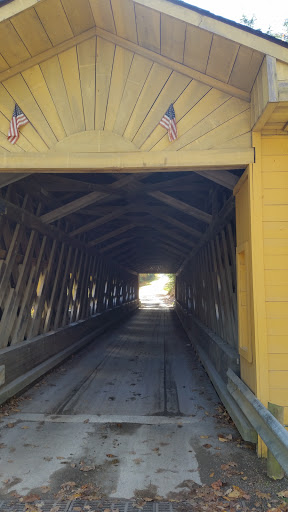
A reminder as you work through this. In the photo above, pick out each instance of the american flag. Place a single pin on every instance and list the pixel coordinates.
(168, 122)
(18, 119)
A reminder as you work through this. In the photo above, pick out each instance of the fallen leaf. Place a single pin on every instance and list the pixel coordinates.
(282, 494)
(11, 425)
(45, 489)
(24, 427)
(86, 421)
(207, 445)
(204, 437)
(87, 468)
(111, 456)
(217, 485)
(264, 495)
(211, 475)
(137, 461)
(60, 458)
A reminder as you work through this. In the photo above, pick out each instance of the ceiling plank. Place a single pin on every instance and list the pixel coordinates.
(117, 212)
(72, 207)
(183, 207)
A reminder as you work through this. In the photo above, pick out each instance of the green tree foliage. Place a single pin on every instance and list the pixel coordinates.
(250, 22)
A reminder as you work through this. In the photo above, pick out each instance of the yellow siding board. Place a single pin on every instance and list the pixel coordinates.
(274, 146)
(277, 326)
(103, 16)
(79, 15)
(274, 246)
(222, 57)
(70, 72)
(276, 262)
(3, 64)
(124, 17)
(54, 20)
(275, 212)
(37, 85)
(121, 67)
(278, 396)
(104, 64)
(172, 89)
(241, 141)
(278, 362)
(148, 27)
(54, 79)
(172, 38)
(31, 31)
(275, 196)
(278, 380)
(277, 344)
(275, 180)
(275, 229)
(87, 66)
(245, 68)
(210, 102)
(286, 416)
(274, 292)
(19, 90)
(228, 121)
(197, 48)
(139, 71)
(153, 85)
(193, 93)
(12, 47)
(276, 278)
(278, 309)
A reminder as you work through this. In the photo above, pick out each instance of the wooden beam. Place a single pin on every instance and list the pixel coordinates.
(72, 207)
(127, 45)
(223, 178)
(111, 234)
(7, 178)
(160, 161)
(183, 207)
(117, 212)
(116, 244)
(218, 223)
(174, 222)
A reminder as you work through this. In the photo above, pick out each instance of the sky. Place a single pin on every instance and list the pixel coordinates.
(268, 14)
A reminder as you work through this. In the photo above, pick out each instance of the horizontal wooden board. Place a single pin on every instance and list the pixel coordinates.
(274, 145)
(275, 229)
(278, 379)
(278, 327)
(275, 196)
(275, 213)
(278, 396)
(278, 362)
(275, 246)
(276, 277)
(276, 262)
(274, 163)
(277, 344)
(277, 293)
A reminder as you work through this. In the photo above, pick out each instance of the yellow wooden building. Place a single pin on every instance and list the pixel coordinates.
(94, 78)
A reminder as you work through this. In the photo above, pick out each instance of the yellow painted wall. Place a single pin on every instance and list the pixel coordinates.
(274, 164)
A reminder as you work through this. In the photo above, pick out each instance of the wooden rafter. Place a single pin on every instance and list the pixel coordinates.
(183, 207)
(111, 234)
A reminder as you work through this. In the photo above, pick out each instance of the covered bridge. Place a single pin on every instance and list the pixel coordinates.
(93, 193)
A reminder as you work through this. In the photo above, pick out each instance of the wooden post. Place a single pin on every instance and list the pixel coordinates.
(274, 470)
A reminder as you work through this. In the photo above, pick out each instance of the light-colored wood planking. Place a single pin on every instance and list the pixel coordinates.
(278, 362)
(148, 28)
(70, 72)
(138, 74)
(275, 229)
(79, 15)
(12, 47)
(124, 17)
(210, 102)
(95, 141)
(245, 68)
(54, 79)
(224, 132)
(197, 48)
(121, 68)
(7, 145)
(277, 310)
(270, 163)
(153, 85)
(3, 64)
(19, 90)
(275, 212)
(276, 293)
(278, 379)
(87, 66)
(277, 180)
(163, 161)
(172, 89)
(221, 58)
(173, 34)
(104, 64)
(275, 145)
(37, 85)
(275, 196)
(103, 16)
(54, 20)
(193, 93)
(31, 31)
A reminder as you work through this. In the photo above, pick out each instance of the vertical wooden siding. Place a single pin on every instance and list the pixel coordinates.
(46, 283)
(207, 287)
